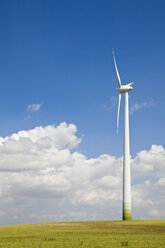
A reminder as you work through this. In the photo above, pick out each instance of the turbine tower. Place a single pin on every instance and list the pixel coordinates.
(127, 213)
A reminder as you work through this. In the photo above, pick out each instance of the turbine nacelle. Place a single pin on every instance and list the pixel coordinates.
(124, 88)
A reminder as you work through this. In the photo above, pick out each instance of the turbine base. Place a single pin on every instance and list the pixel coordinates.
(127, 213)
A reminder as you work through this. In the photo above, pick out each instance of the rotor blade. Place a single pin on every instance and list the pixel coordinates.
(131, 83)
(118, 113)
(117, 73)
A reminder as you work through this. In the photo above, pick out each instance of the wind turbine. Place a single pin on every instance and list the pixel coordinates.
(127, 213)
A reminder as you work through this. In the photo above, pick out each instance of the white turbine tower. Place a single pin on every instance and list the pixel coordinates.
(127, 213)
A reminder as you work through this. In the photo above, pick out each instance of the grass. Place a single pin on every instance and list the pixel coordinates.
(94, 234)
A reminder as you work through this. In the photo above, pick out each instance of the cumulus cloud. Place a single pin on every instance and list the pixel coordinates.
(43, 176)
(34, 107)
(39, 148)
(150, 162)
(138, 106)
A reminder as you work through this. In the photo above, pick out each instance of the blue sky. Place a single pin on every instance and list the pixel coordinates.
(58, 53)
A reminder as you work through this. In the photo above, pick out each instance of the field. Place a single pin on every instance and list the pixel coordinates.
(108, 234)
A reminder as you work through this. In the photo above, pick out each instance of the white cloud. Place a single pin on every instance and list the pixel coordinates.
(138, 106)
(112, 103)
(154, 213)
(43, 177)
(34, 107)
(150, 162)
(161, 181)
(109, 181)
(39, 148)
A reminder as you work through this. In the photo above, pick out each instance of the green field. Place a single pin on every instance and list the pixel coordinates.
(108, 234)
